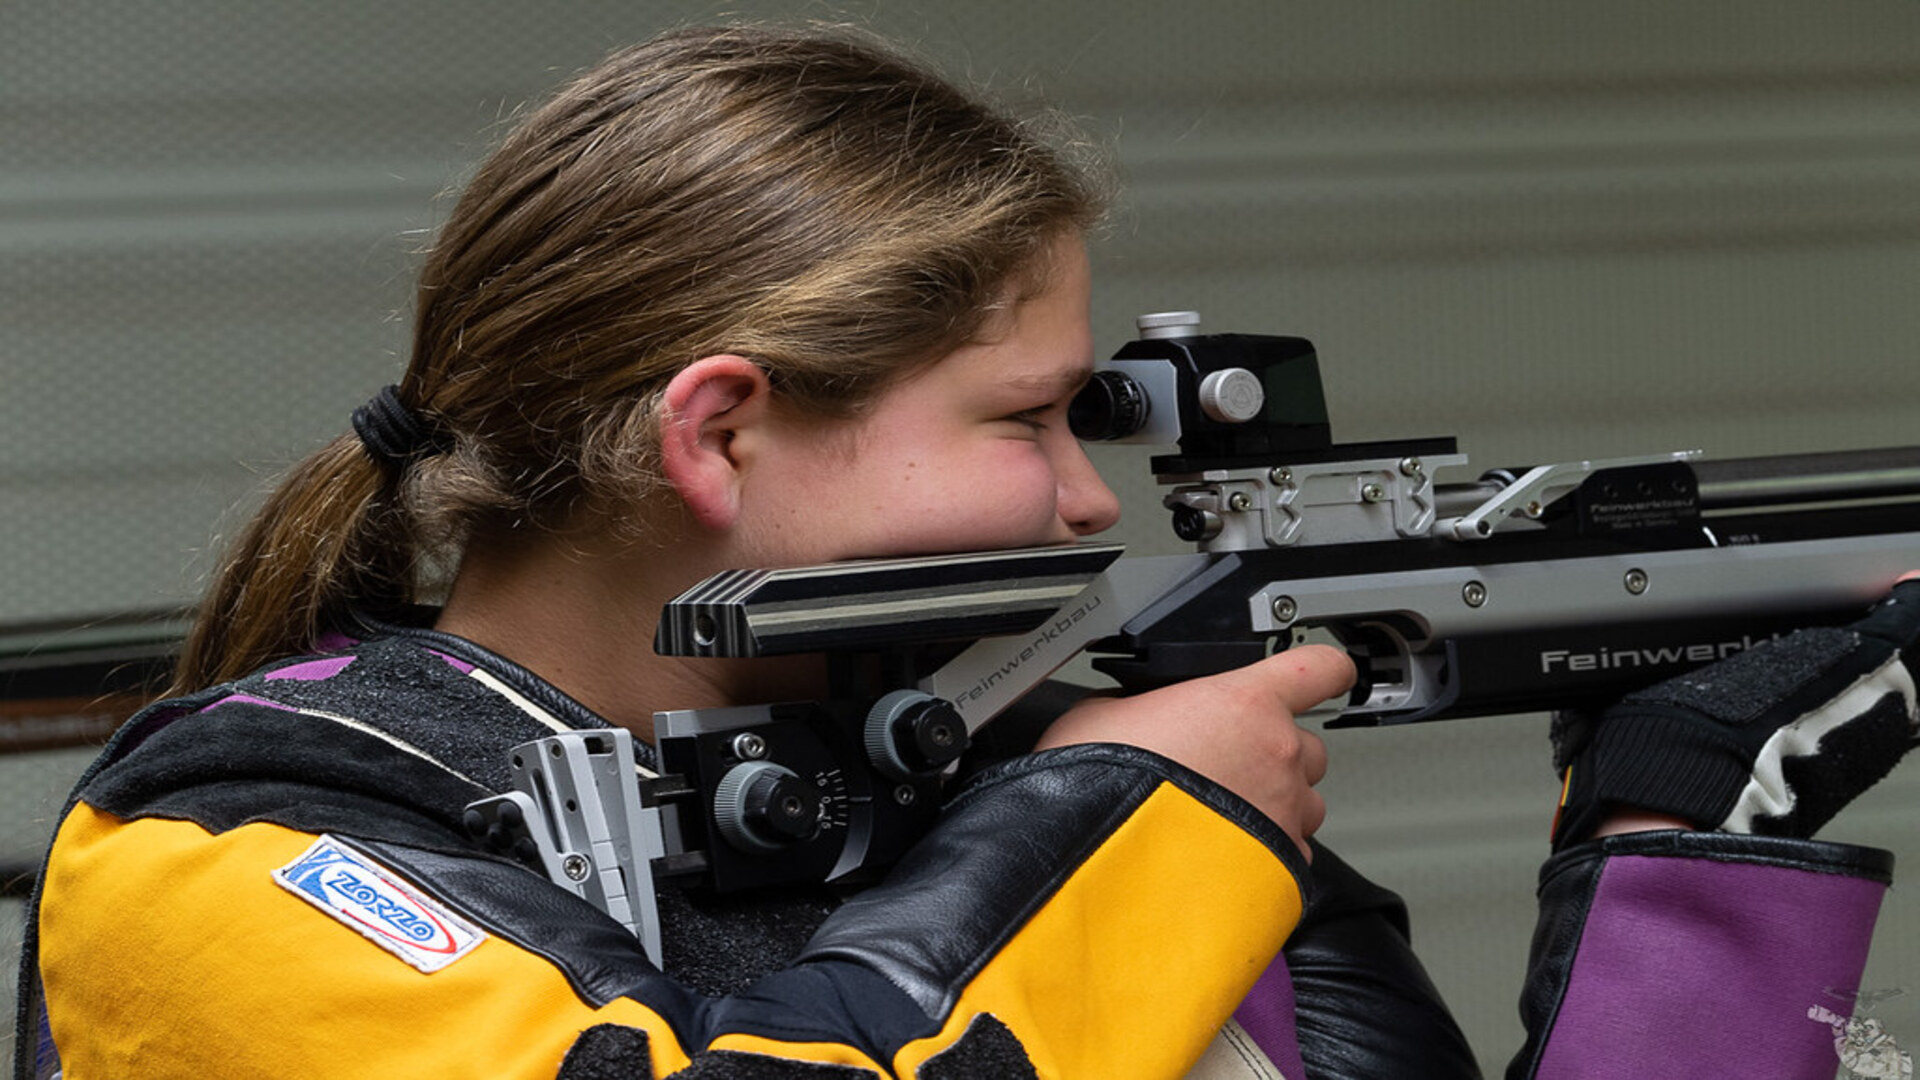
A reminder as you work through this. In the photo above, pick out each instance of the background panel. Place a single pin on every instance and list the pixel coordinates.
(1554, 231)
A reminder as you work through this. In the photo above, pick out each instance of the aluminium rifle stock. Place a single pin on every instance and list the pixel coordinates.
(1557, 586)
(1542, 615)
(1553, 587)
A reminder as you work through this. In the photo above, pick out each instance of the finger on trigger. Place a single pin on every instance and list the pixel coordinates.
(1311, 674)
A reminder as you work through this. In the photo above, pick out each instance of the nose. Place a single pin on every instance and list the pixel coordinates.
(1086, 503)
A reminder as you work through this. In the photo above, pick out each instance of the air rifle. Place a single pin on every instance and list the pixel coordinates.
(1548, 587)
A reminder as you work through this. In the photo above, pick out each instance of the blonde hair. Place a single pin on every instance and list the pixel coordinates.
(805, 198)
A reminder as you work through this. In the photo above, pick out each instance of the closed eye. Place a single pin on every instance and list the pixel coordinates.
(1035, 418)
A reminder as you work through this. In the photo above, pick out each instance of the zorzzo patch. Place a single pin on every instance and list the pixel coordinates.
(379, 905)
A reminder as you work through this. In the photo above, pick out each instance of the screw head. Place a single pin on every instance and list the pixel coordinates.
(1240, 501)
(1373, 493)
(904, 795)
(1637, 581)
(1281, 476)
(1412, 466)
(576, 867)
(1285, 610)
(1474, 593)
(749, 747)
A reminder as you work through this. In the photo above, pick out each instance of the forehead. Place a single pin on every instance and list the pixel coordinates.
(1040, 342)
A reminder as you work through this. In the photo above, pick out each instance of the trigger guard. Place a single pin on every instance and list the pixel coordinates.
(1427, 688)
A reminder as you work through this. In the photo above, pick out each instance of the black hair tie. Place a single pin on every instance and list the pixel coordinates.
(391, 432)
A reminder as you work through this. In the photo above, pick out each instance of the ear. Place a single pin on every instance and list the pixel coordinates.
(704, 407)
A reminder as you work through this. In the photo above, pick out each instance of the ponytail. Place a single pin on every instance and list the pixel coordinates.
(330, 535)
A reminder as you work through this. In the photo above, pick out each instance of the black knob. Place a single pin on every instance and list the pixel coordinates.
(912, 734)
(760, 806)
(1194, 525)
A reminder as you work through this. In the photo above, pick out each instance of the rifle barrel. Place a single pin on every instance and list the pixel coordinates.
(1805, 478)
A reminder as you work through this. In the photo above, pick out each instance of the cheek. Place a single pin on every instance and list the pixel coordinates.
(1002, 495)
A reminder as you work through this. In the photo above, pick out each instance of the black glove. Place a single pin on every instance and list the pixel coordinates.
(1773, 740)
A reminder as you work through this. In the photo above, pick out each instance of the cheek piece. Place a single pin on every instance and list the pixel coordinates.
(1772, 741)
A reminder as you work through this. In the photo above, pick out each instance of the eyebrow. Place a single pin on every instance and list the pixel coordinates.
(1058, 382)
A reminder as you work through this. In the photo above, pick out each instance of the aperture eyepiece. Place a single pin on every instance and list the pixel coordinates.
(1111, 406)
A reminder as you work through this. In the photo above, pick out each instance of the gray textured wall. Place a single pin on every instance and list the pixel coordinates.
(1555, 231)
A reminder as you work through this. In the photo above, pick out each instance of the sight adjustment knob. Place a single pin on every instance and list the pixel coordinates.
(1232, 395)
(1194, 525)
(911, 734)
(759, 806)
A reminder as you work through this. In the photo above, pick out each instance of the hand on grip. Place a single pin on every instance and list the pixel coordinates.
(1236, 728)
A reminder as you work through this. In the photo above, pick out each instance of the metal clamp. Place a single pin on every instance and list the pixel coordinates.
(577, 804)
(1540, 487)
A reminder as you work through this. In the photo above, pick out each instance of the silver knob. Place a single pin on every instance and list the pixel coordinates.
(1168, 324)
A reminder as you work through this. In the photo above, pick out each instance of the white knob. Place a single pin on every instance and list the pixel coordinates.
(1232, 395)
